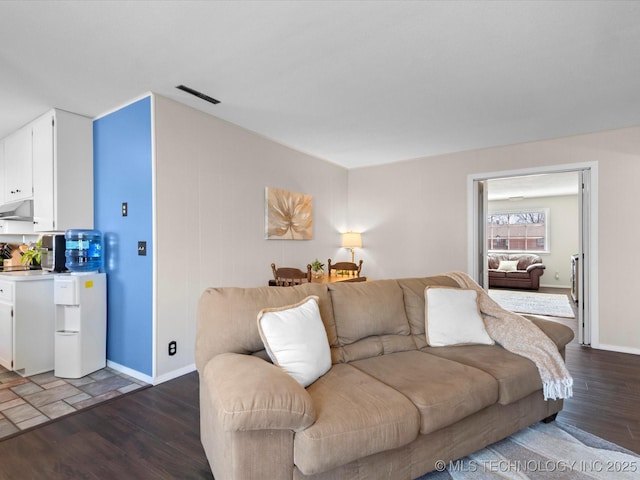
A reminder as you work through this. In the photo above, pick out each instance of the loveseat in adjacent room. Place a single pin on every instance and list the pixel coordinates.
(517, 271)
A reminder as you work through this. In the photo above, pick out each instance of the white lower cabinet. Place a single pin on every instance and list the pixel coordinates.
(27, 323)
(6, 335)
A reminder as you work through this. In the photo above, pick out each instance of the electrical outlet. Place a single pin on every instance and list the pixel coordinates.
(125, 209)
(173, 347)
(142, 248)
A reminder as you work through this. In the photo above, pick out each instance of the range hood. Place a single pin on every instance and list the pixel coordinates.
(22, 211)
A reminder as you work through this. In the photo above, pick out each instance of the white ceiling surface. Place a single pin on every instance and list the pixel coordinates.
(533, 186)
(355, 82)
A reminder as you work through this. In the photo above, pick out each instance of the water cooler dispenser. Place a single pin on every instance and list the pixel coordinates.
(80, 298)
(81, 324)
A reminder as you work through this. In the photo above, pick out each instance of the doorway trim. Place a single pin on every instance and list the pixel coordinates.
(588, 234)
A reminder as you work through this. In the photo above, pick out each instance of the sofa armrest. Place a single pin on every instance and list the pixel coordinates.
(536, 266)
(249, 393)
(560, 334)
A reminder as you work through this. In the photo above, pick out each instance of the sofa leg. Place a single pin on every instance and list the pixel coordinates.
(550, 418)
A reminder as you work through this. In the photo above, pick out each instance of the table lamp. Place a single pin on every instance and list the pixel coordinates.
(351, 240)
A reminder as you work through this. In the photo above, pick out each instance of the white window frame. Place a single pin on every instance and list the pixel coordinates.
(547, 224)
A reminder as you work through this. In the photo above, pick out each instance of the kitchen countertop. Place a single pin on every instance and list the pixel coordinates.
(26, 275)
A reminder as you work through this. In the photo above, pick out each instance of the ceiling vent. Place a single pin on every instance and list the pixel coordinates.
(198, 94)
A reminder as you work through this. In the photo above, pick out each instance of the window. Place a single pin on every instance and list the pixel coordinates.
(518, 231)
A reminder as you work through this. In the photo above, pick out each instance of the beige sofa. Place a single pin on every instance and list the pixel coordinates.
(389, 407)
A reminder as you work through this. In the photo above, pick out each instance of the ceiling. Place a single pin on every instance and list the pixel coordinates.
(533, 186)
(354, 82)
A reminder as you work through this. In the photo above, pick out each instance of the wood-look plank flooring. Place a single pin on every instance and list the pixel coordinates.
(606, 389)
(154, 433)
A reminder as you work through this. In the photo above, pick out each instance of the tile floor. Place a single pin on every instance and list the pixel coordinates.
(29, 401)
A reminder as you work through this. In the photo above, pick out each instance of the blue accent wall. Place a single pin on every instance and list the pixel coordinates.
(123, 173)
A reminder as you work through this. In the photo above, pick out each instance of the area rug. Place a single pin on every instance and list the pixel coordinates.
(551, 304)
(544, 451)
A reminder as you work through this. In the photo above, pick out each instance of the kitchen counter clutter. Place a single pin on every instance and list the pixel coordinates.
(27, 321)
(11, 255)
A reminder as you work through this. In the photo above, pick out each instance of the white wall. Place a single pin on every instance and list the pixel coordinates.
(210, 181)
(563, 234)
(414, 215)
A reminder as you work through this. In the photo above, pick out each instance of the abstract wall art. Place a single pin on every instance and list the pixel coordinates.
(288, 215)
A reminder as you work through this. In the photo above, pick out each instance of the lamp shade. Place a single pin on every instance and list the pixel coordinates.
(351, 240)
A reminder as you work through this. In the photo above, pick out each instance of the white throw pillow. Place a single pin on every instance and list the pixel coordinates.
(508, 265)
(295, 340)
(452, 317)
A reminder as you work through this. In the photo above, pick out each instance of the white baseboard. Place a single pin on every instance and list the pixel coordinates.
(617, 348)
(146, 378)
(128, 371)
(175, 374)
(555, 286)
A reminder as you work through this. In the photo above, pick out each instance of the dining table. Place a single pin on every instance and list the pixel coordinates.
(325, 278)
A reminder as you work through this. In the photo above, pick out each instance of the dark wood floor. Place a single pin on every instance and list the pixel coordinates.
(606, 395)
(154, 433)
(150, 434)
(606, 389)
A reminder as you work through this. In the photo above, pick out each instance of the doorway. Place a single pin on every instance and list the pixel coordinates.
(587, 280)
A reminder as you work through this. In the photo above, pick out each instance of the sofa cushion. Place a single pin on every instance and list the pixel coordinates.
(413, 294)
(497, 274)
(517, 376)
(370, 319)
(526, 260)
(443, 391)
(295, 340)
(226, 318)
(522, 274)
(368, 308)
(453, 317)
(374, 346)
(560, 334)
(356, 416)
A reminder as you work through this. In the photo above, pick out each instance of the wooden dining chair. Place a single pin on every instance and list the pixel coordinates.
(289, 276)
(349, 269)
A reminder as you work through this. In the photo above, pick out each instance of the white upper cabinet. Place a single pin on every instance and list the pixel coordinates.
(62, 171)
(43, 197)
(18, 166)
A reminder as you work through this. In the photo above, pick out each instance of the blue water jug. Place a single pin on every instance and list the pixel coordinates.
(83, 250)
